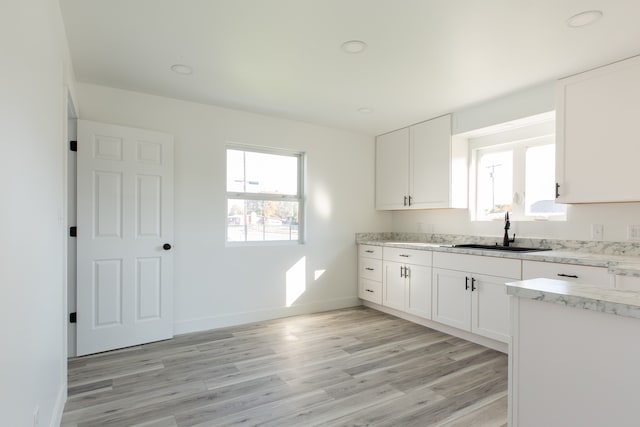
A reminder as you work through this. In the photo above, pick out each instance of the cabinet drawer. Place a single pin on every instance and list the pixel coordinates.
(407, 256)
(596, 276)
(628, 283)
(370, 251)
(492, 266)
(370, 269)
(370, 290)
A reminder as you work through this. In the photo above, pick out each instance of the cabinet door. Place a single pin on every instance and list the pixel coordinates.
(392, 169)
(430, 163)
(596, 140)
(393, 285)
(451, 301)
(490, 307)
(418, 289)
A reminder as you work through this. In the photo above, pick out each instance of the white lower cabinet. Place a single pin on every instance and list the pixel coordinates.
(407, 281)
(370, 273)
(467, 298)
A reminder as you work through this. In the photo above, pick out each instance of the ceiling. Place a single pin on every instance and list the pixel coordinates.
(283, 58)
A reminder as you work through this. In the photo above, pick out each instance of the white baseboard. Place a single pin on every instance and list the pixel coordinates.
(487, 342)
(214, 322)
(58, 409)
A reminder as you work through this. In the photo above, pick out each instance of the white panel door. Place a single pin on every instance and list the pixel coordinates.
(430, 154)
(393, 285)
(418, 291)
(490, 307)
(392, 170)
(452, 298)
(125, 229)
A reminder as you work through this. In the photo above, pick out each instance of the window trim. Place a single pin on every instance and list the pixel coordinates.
(300, 198)
(518, 140)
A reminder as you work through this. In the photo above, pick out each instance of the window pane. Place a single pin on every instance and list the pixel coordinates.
(271, 173)
(235, 171)
(540, 182)
(495, 184)
(260, 220)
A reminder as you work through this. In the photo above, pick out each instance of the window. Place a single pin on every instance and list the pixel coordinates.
(264, 195)
(514, 172)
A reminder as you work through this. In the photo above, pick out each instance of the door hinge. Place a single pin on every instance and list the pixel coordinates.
(73, 317)
(73, 145)
(73, 231)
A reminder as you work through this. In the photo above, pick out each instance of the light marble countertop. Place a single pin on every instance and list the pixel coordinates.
(612, 301)
(624, 265)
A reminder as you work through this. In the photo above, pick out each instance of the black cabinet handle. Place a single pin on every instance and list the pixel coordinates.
(573, 276)
(369, 251)
(557, 190)
(166, 246)
(369, 290)
(369, 268)
(473, 284)
(410, 200)
(405, 255)
(466, 283)
(405, 201)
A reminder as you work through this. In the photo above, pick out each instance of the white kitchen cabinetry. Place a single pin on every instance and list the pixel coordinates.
(587, 275)
(407, 281)
(466, 297)
(597, 143)
(370, 273)
(414, 167)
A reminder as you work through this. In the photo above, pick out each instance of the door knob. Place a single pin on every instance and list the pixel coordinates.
(166, 246)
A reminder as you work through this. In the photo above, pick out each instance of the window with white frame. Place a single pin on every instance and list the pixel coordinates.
(265, 200)
(514, 171)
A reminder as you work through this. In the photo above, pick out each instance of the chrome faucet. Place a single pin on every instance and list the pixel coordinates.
(507, 224)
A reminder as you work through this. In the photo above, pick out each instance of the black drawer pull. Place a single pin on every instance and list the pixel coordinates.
(405, 256)
(369, 290)
(369, 268)
(573, 276)
(369, 251)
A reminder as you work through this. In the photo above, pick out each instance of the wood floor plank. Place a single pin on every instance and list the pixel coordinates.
(350, 367)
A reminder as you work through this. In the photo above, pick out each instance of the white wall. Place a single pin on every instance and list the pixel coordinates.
(536, 100)
(217, 285)
(35, 69)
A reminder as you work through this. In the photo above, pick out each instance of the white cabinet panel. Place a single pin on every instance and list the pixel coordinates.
(392, 169)
(393, 285)
(597, 145)
(430, 154)
(370, 251)
(596, 276)
(493, 266)
(370, 290)
(490, 304)
(407, 256)
(451, 298)
(370, 269)
(418, 291)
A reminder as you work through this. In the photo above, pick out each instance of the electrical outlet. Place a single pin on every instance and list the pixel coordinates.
(633, 232)
(597, 231)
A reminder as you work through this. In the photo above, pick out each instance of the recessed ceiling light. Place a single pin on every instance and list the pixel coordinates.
(585, 18)
(365, 110)
(181, 69)
(354, 46)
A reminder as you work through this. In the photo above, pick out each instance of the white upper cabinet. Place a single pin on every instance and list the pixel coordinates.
(413, 167)
(597, 140)
(392, 166)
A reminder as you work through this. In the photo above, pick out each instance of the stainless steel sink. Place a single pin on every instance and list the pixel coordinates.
(497, 247)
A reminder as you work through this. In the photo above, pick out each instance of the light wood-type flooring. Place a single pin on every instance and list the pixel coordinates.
(351, 367)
